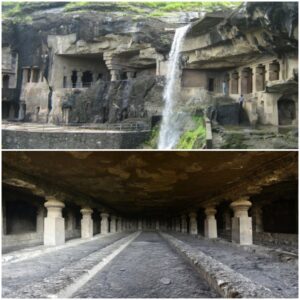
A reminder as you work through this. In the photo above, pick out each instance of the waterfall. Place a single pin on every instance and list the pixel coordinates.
(170, 126)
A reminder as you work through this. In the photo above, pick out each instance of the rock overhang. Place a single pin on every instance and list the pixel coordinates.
(149, 183)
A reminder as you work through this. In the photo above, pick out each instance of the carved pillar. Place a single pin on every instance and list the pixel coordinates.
(104, 223)
(54, 230)
(257, 216)
(193, 223)
(86, 223)
(227, 219)
(177, 222)
(210, 225)
(241, 222)
(140, 224)
(183, 224)
(113, 224)
(157, 225)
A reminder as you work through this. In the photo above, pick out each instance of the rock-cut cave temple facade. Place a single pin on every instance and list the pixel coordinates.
(104, 68)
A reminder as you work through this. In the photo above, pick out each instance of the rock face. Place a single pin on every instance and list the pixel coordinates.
(108, 66)
(109, 45)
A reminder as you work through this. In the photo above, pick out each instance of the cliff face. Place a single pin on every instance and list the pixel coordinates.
(128, 51)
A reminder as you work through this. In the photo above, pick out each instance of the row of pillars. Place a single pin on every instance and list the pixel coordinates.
(241, 223)
(54, 223)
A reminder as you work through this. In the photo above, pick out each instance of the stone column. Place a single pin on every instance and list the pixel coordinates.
(31, 75)
(104, 223)
(227, 220)
(241, 223)
(113, 224)
(114, 75)
(130, 74)
(193, 223)
(140, 224)
(86, 223)
(177, 222)
(4, 221)
(40, 220)
(183, 224)
(210, 225)
(79, 79)
(54, 223)
(257, 216)
(157, 225)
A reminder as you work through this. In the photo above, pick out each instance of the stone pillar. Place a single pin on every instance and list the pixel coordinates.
(210, 225)
(140, 224)
(157, 225)
(54, 230)
(21, 114)
(114, 75)
(113, 224)
(4, 221)
(177, 222)
(227, 220)
(86, 223)
(40, 220)
(104, 223)
(183, 224)
(79, 79)
(31, 75)
(241, 223)
(257, 216)
(193, 223)
(129, 74)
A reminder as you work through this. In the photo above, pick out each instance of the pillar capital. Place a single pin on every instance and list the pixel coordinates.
(104, 215)
(86, 211)
(193, 214)
(51, 201)
(210, 211)
(241, 206)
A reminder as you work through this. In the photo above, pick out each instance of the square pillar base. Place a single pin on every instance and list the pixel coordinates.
(54, 231)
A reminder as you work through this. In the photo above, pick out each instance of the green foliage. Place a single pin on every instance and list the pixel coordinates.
(193, 139)
(152, 9)
(153, 140)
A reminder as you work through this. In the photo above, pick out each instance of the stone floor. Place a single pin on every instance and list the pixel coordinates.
(280, 277)
(146, 267)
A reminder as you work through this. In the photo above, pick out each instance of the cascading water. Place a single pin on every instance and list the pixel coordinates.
(170, 129)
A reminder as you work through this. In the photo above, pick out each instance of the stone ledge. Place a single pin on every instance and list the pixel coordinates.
(224, 280)
(64, 283)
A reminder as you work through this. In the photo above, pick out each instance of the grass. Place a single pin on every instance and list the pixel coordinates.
(18, 9)
(193, 139)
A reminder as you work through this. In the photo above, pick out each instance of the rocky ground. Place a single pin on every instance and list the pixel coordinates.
(280, 277)
(148, 268)
(141, 265)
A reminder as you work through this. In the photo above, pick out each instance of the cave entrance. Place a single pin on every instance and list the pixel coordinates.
(35, 75)
(74, 78)
(246, 83)
(286, 111)
(5, 81)
(274, 69)
(20, 217)
(211, 84)
(260, 78)
(87, 79)
(235, 83)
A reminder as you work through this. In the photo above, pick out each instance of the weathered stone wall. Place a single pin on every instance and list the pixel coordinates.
(70, 140)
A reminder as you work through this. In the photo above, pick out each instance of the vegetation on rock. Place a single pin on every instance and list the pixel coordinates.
(193, 139)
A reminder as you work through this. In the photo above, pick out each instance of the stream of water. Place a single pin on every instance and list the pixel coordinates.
(170, 127)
